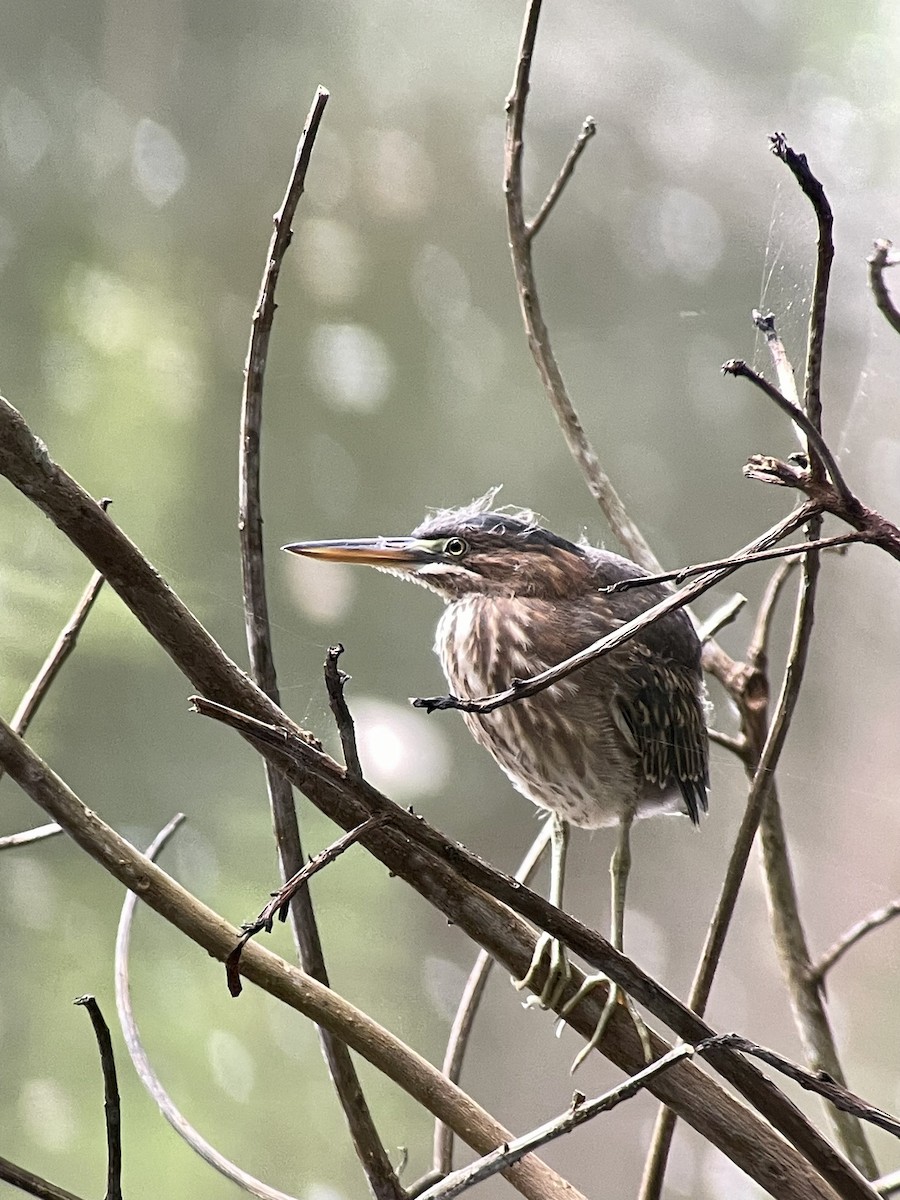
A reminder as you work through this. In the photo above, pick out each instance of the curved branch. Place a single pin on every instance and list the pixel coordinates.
(141, 1060)
(847, 941)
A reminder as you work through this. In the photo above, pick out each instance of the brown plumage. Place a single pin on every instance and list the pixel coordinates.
(621, 738)
(625, 734)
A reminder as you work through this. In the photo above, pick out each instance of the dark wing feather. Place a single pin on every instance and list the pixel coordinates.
(662, 717)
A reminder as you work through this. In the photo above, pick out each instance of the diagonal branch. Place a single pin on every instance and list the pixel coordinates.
(269, 972)
(848, 940)
(681, 573)
(588, 130)
(406, 846)
(578, 1113)
(819, 448)
(59, 652)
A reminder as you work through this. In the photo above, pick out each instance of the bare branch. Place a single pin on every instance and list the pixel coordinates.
(111, 1106)
(819, 1082)
(467, 1010)
(743, 560)
(597, 952)
(412, 851)
(34, 1185)
(758, 646)
(141, 1060)
(335, 679)
(815, 193)
(598, 482)
(784, 370)
(888, 1185)
(760, 749)
(855, 933)
(736, 744)
(579, 1112)
(278, 905)
(819, 448)
(62, 648)
(806, 1000)
(720, 617)
(27, 836)
(588, 129)
(880, 258)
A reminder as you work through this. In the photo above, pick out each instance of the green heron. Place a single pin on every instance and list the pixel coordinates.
(621, 738)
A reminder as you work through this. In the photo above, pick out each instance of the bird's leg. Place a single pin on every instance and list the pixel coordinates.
(619, 867)
(558, 969)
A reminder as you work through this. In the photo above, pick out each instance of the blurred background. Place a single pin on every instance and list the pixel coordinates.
(143, 149)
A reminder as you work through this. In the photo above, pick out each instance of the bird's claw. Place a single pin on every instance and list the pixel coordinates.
(559, 973)
(615, 996)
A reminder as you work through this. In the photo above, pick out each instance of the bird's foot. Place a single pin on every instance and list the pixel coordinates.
(615, 996)
(551, 953)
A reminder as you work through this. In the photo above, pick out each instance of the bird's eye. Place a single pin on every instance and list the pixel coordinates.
(455, 547)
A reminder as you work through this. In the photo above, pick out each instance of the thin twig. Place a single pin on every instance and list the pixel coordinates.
(579, 1112)
(784, 368)
(60, 651)
(522, 688)
(278, 905)
(720, 617)
(878, 260)
(34, 1185)
(111, 1107)
(335, 680)
(815, 193)
(467, 1010)
(682, 573)
(141, 1060)
(819, 1082)
(598, 482)
(369, 1149)
(846, 941)
(588, 129)
(736, 743)
(758, 646)
(27, 836)
(819, 448)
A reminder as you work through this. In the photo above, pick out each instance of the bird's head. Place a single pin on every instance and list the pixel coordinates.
(469, 551)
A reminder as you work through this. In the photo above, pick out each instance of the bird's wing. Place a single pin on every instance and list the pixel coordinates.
(660, 715)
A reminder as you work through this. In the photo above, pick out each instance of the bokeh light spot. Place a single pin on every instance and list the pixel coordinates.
(158, 164)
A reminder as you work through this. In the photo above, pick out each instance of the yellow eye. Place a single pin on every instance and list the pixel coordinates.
(455, 547)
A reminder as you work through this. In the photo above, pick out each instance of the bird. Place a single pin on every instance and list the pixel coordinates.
(621, 738)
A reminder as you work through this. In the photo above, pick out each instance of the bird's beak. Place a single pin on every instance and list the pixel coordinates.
(393, 553)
